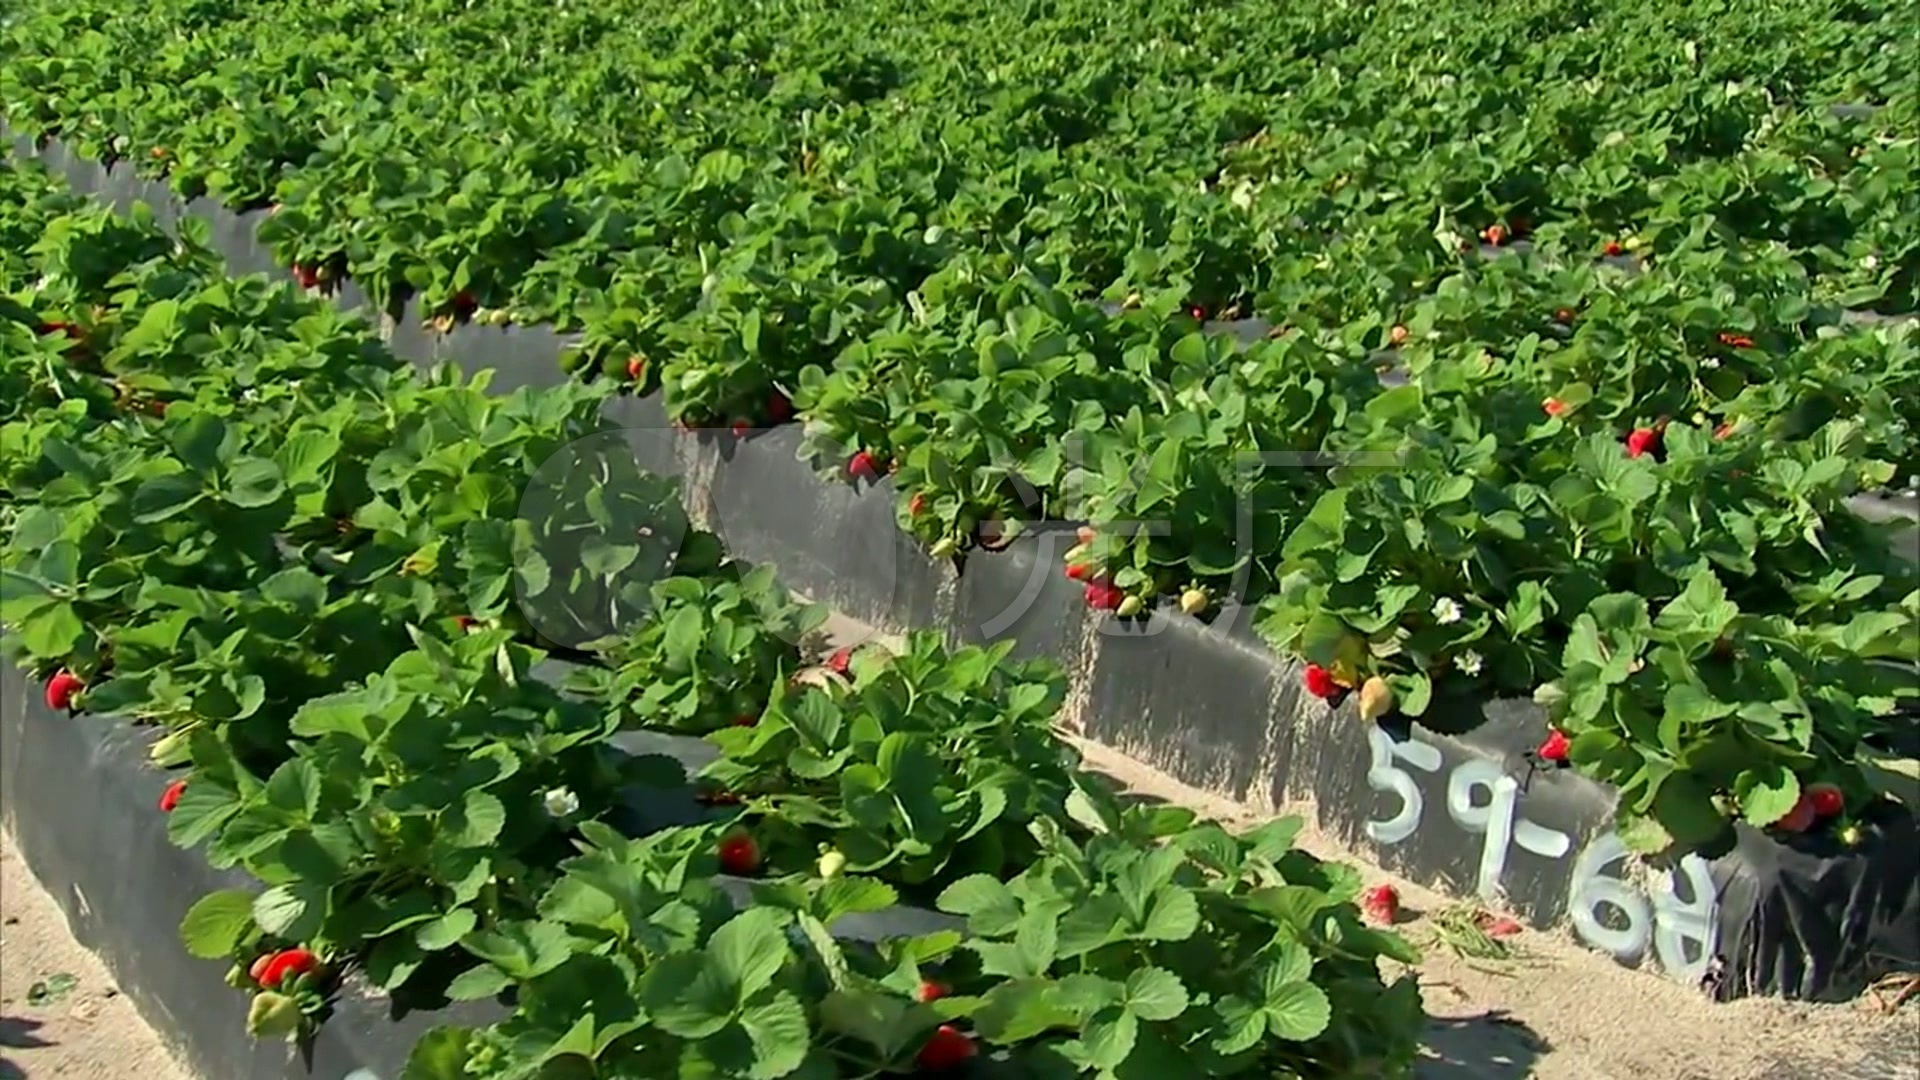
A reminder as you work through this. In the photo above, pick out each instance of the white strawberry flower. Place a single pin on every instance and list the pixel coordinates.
(1710, 362)
(1469, 663)
(1446, 611)
(561, 802)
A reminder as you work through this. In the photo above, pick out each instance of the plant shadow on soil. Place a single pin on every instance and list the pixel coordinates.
(1491, 1046)
(16, 1033)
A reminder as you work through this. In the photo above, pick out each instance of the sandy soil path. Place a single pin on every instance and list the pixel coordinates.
(60, 1013)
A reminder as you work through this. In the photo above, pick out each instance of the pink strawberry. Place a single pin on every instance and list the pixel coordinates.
(1497, 926)
(1827, 799)
(1800, 818)
(1555, 747)
(1381, 904)
(1320, 682)
(779, 407)
(61, 690)
(739, 855)
(1103, 595)
(948, 1047)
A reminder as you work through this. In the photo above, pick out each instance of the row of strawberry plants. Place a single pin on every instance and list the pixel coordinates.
(232, 515)
(1524, 567)
(1480, 518)
(898, 165)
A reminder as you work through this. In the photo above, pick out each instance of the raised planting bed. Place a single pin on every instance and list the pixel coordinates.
(1213, 706)
(125, 888)
(232, 514)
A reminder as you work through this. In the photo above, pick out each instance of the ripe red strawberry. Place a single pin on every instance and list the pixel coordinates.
(1826, 799)
(1737, 341)
(1613, 249)
(739, 855)
(1800, 818)
(779, 407)
(1641, 441)
(741, 428)
(1495, 235)
(306, 276)
(1564, 316)
(1198, 312)
(170, 798)
(930, 991)
(465, 622)
(1554, 406)
(1320, 683)
(61, 689)
(463, 304)
(1521, 224)
(1079, 571)
(841, 661)
(1104, 595)
(861, 466)
(746, 720)
(1554, 748)
(1381, 904)
(948, 1047)
(286, 964)
(74, 333)
(637, 368)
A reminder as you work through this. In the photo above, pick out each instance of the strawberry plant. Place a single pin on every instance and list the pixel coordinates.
(929, 765)
(709, 655)
(326, 576)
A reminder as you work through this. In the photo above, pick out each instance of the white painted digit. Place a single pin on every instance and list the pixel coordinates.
(1670, 924)
(1678, 923)
(1592, 888)
(1494, 820)
(1498, 820)
(1382, 775)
